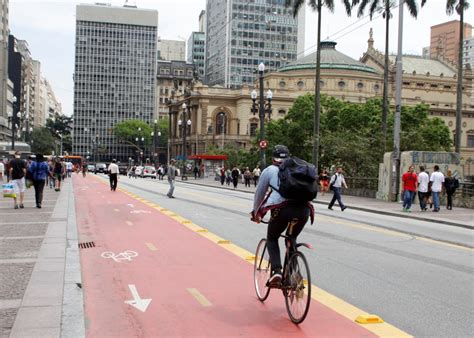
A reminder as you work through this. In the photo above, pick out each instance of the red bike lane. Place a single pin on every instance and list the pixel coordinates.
(196, 287)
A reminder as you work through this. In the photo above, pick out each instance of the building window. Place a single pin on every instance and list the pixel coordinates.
(282, 84)
(376, 87)
(470, 141)
(360, 85)
(282, 112)
(221, 123)
(253, 128)
(341, 84)
(300, 84)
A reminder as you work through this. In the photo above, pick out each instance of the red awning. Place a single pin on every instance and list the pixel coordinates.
(208, 157)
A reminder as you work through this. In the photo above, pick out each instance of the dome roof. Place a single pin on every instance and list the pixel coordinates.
(330, 59)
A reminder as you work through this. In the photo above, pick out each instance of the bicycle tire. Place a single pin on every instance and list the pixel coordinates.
(298, 292)
(262, 270)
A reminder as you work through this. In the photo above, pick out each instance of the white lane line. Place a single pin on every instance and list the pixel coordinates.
(129, 223)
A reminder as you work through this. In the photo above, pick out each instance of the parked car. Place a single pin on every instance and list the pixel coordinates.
(149, 171)
(138, 171)
(91, 168)
(100, 168)
(123, 169)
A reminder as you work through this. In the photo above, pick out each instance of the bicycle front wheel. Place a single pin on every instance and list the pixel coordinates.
(262, 270)
(298, 288)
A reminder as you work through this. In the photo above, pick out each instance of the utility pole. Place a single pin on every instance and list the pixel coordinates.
(398, 107)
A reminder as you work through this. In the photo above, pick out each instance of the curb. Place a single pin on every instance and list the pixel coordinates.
(380, 212)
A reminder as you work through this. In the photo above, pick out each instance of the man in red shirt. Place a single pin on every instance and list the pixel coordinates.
(410, 182)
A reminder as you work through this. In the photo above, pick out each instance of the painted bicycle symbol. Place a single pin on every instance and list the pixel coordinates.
(123, 256)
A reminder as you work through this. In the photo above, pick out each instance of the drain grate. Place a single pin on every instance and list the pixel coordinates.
(86, 245)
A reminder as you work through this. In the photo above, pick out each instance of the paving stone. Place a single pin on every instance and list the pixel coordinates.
(14, 279)
(38, 317)
(19, 248)
(15, 230)
(7, 318)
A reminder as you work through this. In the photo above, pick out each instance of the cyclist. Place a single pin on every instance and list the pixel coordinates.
(285, 214)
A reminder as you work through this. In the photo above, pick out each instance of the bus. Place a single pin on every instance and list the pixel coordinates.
(77, 161)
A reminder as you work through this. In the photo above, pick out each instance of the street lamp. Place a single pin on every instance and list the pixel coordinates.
(264, 107)
(186, 122)
(61, 137)
(140, 150)
(156, 147)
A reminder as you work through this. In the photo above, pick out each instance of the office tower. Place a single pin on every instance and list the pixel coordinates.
(241, 34)
(114, 77)
(171, 50)
(4, 33)
(444, 42)
(196, 52)
(468, 52)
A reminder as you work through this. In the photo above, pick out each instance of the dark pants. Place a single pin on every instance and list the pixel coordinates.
(235, 181)
(292, 218)
(247, 181)
(39, 186)
(423, 197)
(336, 196)
(255, 180)
(222, 180)
(449, 195)
(113, 181)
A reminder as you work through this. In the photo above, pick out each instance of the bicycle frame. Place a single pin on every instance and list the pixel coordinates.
(291, 246)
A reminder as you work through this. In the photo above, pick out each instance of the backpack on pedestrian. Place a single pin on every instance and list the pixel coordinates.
(298, 180)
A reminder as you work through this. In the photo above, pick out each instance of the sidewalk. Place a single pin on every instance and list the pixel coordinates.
(460, 217)
(39, 267)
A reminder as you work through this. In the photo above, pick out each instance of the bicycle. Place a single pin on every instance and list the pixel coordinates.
(296, 281)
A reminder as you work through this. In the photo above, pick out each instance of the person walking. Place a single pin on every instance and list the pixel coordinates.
(84, 170)
(39, 171)
(324, 182)
(450, 185)
(247, 177)
(196, 172)
(2, 170)
(69, 168)
(113, 171)
(256, 174)
(171, 177)
(437, 180)
(337, 181)
(222, 175)
(423, 181)
(58, 172)
(228, 176)
(235, 176)
(17, 173)
(410, 182)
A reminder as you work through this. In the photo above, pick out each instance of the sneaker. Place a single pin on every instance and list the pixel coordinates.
(275, 279)
(408, 210)
(16, 206)
(330, 208)
(22, 206)
(343, 208)
(404, 209)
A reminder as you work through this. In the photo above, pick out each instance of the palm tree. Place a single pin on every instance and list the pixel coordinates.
(459, 6)
(317, 5)
(384, 6)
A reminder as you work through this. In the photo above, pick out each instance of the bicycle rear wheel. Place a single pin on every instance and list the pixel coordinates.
(262, 270)
(298, 288)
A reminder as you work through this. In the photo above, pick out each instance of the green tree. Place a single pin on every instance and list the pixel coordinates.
(317, 5)
(128, 131)
(61, 125)
(384, 6)
(42, 141)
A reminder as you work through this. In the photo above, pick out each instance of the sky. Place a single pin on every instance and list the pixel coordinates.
(49, 28)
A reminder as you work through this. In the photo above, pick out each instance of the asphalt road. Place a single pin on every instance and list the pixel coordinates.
(422, 284)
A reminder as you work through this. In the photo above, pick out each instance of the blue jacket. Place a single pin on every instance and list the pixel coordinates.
(39, 171)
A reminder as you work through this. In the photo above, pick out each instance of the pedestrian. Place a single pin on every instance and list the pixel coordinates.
(113, 171)
(39, 171)
(410, 182)
(235, 176)
(256, 174)
(450, 185)
(324, 182)
(196, 172)
(222, 175)
(17, 176)
(228, 176)
(2, 170)
(423, 182)
(171, 177)
(84, 170)
(336, 182)
(437, 180)
(69, 168)
(58, 172)
(247, 177)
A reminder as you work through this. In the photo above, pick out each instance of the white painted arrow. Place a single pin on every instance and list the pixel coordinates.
(130, 205)
(137, 302)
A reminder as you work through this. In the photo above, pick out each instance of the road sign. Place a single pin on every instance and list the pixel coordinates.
(263, 144)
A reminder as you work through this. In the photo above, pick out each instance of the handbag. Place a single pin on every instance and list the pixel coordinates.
(8, 191)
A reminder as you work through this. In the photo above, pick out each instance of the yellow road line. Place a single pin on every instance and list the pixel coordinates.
(334, 303)
(199, 297)
(151, 246)
(116, 210)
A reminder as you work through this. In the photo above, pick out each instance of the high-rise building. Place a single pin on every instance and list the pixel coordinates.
(171, 50)
(202, 21)
(196, 50)
(114, 77)
(4, 33)
(241, 34)
(444, 42)
(468, 52)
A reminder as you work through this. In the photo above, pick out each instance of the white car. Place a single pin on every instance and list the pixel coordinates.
(149, 171)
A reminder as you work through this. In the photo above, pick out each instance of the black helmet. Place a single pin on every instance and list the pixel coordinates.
(280, 153)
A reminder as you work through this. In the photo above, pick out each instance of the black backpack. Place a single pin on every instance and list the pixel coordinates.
(298, 180)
